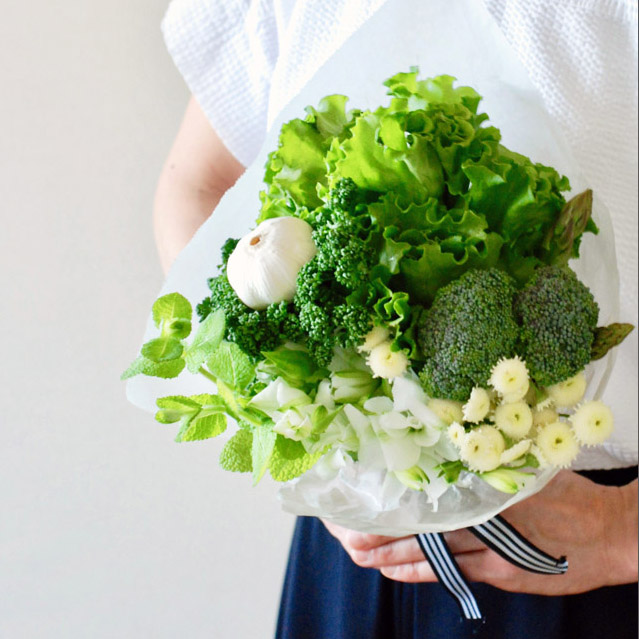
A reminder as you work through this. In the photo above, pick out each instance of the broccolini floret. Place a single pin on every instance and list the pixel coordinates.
(468, 329)
(253, 331)
(345, 195)
(558, 316)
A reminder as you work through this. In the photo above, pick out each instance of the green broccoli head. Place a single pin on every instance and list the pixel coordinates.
(344, 196)
(467, 330)
(558, 316)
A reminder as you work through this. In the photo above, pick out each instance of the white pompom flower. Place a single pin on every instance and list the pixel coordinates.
(569, 392)
(543, 416)
(477, 406)
(481, 449)
(515, 452)
(557, 444)
(592, 422)
(387, 363)
(447, 410)
(456, 433)
(514, 420)
(373, 338)
(509, 378)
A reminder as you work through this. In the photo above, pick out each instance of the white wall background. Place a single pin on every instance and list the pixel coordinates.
(107, 527)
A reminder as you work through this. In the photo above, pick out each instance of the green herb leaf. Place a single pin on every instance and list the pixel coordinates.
(297, 367)
(204, 426)
(261, 451)
(144, 366)
(171, 307)
(230, 364)
(206, 340)
(162, 349)
(236, 454)
(174, 408)
(290, 459)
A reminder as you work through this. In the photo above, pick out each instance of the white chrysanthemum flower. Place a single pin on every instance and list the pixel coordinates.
(514, 420)
(515, 452)
(509, 378)
(374, 337)
(456, 433)
(547, 402)
(387, 363)
(543, 416)
(569, 392)
(481, 448)
(447, 410)
(558, 444)
(477, 406)
(592, 423)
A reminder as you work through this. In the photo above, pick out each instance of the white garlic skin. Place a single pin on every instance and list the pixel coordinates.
(263, 268)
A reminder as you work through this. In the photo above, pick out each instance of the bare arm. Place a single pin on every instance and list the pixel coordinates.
(198, 171)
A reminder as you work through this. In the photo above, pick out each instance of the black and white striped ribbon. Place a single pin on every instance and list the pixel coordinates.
(442, 562)
(501, 537)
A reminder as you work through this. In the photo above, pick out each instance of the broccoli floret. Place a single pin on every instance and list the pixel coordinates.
(558, 316)
(342, 264)
(469, 327)
(345, 195)
(319, 315)
(227, 248)
(253, 331)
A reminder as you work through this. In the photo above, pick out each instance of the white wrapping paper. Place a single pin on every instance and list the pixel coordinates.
(455, 37)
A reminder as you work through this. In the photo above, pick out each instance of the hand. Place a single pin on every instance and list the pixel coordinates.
(594, 526)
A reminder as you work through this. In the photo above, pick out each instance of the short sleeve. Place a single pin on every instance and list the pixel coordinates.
(226, 51)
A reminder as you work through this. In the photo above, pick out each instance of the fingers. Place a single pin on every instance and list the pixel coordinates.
(378, 551)
(479, 565)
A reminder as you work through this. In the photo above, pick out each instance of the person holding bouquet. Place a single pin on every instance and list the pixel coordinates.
(342, 583)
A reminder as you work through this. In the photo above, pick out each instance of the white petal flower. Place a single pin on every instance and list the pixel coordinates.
(447, 410)
(481, 448)
(569, 392)
(379, 405)
(456, 433)
(543, 416)
(477, 406)
(399, 453)
(515, 452)
(426, 436)
(375, 337)
(394, 424)
(592, 422)
(293, 425)
(387, 363)
(514, 420)
(323, 395)
(509, 378)
(558, 444)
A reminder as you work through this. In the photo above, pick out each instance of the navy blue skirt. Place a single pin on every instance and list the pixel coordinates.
(327, 596)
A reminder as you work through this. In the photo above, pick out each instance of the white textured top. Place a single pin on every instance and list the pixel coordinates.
(244, 60)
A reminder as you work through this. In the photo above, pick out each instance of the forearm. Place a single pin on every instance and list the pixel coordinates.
(180, 209)
(198, 171)
(624, 560)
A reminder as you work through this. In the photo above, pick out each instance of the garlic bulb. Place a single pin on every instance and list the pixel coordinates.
(263, 268)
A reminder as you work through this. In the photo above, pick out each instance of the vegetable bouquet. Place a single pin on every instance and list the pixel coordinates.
(403, 323)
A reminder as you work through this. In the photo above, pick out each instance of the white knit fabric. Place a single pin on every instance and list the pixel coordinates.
(244, 60)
